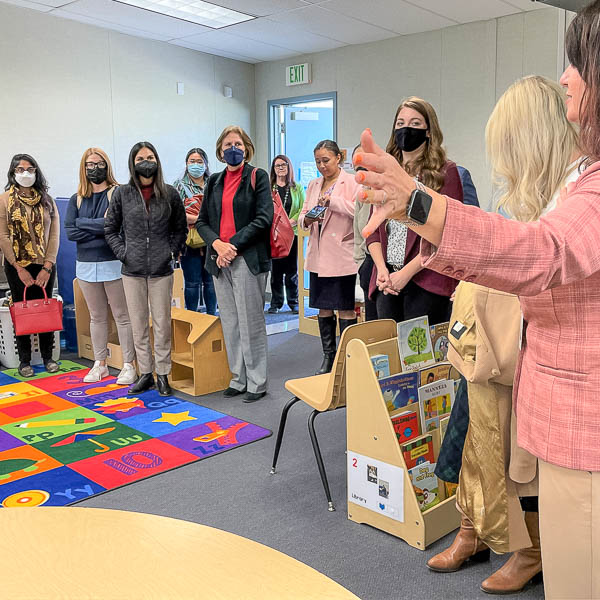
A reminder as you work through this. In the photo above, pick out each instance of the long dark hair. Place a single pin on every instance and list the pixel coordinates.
(160, 189)
(289, 178)
(40, 185)
(204, 158)
(582, 44)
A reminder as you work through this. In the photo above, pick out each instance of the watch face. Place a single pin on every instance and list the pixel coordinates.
(420, 204)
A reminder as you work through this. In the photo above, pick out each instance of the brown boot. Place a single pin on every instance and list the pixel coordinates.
(522, 567)
(466, 546)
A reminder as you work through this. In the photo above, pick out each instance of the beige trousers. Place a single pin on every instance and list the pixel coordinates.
(570, 532)
(98, 296)
(145, 297)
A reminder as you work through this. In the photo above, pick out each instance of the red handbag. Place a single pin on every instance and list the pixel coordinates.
(282, 232)
(37, 316)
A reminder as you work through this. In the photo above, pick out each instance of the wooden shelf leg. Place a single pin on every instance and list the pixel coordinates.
(282, 421)
(315, 444)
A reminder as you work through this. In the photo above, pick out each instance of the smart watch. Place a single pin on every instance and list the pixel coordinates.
(419, 205)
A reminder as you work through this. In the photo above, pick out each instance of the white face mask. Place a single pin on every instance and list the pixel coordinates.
(25, 179)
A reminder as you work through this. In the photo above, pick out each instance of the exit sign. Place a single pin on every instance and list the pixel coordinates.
(297, 74)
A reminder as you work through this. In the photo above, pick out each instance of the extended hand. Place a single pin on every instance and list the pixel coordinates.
(390, 184)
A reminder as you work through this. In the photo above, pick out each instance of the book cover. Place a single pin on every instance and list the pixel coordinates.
(435, 401)
(426, 485)
(414, 344)
(400, 390)
(443, 427)
(418, 451)
(381, 364)
(450, 488)
(435, 373)
(406, 425)
(439, 341)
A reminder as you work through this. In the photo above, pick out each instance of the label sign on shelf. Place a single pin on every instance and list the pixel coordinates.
(297, 74)
(376, 485)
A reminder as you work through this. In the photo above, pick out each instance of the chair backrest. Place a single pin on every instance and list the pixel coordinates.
(369, 332)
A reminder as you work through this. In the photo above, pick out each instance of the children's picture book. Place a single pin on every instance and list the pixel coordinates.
(406, 425)
(435, 401)
(426, 485)
(450, 488)
(400, 390)
(435, 373)
(414, 344)
(439, 341)
(418, 451)
(381, 364)
(443, 427)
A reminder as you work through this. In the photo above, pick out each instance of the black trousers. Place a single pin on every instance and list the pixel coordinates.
(413, 301)
(16, 289)
(364, 275)
(285, 268)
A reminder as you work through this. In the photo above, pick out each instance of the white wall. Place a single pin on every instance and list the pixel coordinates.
(67, 86)
(461, 70)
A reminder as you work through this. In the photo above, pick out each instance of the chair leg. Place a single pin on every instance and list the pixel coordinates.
(315, 444)
(282, 421)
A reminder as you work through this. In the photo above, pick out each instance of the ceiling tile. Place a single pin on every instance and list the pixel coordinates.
(259, 8)
(321, 21)
(193, 46)
(467, 11)
(59, 12)
(26, 4)
(284, 35)
(243, 46)
(131, 16)
(526, 4)
(398, 16)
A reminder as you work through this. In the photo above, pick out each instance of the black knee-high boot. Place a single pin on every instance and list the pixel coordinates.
(346, 323)
(327, 326)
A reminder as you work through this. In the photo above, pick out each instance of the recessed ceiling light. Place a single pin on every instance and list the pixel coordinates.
(194, 11)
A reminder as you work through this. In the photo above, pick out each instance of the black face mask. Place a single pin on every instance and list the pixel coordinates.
(409, 138)
(97, 175)
(146, 168)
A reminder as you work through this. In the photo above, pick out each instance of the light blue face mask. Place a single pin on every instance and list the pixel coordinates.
(196, 169)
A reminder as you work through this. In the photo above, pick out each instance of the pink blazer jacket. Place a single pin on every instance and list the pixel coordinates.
(330, 254)
(553, 265)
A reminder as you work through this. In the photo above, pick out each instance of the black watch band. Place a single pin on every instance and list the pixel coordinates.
(48, 270)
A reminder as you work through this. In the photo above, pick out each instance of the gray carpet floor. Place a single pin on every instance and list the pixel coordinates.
(288, 511)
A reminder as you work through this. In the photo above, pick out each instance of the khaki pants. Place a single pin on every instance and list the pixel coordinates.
(570, 532)
(145, 297)
(98, 296)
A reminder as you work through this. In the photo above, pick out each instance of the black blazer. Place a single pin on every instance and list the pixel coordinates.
(253, 214)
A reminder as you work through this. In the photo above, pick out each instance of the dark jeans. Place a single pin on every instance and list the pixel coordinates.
(285, 268)
(198, 282)
(16, 289)
(413, 301)
(364, 275)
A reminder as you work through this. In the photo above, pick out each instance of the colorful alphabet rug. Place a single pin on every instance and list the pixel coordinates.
(62, 441)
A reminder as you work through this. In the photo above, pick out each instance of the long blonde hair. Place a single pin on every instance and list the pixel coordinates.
(85, 188)
(429, 166)
(530, 145)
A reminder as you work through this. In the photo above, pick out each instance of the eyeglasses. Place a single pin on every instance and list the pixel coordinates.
(99, 165)
(280, 166)
(30, 170)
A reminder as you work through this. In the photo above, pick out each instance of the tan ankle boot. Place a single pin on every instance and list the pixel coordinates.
(466, 546)
(522, 567)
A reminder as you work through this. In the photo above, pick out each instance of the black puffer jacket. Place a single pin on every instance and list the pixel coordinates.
(145, 241)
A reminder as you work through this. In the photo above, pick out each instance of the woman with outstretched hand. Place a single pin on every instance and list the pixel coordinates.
(553, 265)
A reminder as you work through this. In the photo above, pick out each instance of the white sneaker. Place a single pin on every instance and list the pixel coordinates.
(128, 375)
(96, 373)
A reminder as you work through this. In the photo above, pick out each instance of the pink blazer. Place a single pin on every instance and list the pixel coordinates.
(553, 265)
(331, 253)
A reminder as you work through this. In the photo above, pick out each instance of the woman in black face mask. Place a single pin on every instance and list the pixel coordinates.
(402, 288)
(146, 228)
(98, 270)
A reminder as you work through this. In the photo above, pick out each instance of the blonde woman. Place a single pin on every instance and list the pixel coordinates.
(235, 222)
(534, 154)
(97, 269)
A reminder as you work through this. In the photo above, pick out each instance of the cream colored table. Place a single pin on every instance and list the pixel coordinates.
(83, 553)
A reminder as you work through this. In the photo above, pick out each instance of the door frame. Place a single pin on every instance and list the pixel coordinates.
(295, 100)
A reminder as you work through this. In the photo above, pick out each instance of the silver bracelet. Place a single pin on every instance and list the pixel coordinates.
(419, 185)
